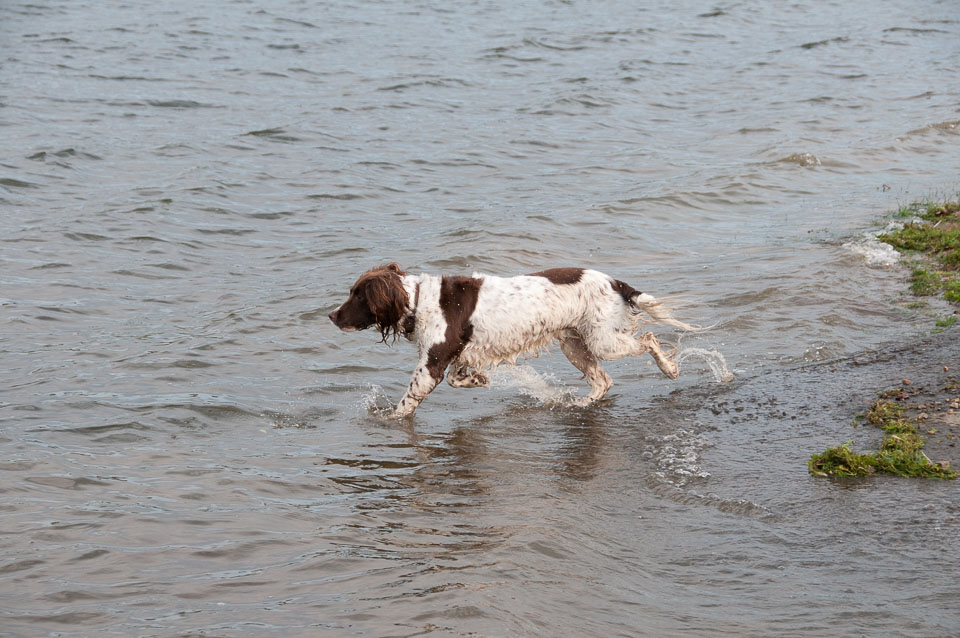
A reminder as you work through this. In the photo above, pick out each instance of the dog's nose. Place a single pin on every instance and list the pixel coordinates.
(333, 316)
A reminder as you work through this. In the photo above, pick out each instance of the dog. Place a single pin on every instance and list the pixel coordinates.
(469, 324)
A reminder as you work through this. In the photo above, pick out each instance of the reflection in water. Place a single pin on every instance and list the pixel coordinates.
(466, 502)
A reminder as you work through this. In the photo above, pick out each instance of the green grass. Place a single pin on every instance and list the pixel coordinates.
(952, 291)
(884, 413)
(951, 258)
(924, 283)
(929, 210)
(935, 210)
(923, 238)
(840, 461)
(947, 322)
(900, 452)
(936, 244)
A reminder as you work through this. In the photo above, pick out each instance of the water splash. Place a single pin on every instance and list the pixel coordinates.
(375, 401)
(716, 361)
(545, 388)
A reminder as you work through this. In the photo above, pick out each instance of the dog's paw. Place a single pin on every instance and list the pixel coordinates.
(402, 411)
(475, 379)
(669, 368)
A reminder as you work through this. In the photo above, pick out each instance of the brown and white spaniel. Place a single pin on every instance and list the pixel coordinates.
(474, 323)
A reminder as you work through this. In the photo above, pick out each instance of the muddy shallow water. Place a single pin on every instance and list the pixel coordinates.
(190, 448)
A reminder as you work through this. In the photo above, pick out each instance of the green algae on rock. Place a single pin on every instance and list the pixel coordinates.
(900, 452)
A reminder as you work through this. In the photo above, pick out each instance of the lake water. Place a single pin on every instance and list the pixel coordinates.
(189, 447)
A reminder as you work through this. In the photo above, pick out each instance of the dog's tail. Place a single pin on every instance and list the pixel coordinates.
(658, 310)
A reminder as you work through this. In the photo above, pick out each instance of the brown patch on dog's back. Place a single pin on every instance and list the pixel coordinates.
(458, 300)
(626, 291)
(560, 276)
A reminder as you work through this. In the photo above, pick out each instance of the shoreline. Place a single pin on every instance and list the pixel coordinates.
(926, 390)
(918, 377)
(919, 416)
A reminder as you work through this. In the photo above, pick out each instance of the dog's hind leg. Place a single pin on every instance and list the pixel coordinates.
(572, 345)
(627, 345)
(667, 366)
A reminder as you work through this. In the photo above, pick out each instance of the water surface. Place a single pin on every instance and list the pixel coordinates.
(188, 188)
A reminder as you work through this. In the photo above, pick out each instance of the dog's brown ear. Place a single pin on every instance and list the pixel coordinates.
(388, 300)
(392, 267)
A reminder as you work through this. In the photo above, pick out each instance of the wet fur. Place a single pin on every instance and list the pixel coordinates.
(378, 295)
(469, 324)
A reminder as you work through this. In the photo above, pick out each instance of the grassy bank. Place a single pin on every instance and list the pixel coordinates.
(932, 236)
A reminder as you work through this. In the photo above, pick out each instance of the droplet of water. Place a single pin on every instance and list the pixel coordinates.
(375, 400)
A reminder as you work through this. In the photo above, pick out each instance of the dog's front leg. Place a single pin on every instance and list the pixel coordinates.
(422, 383)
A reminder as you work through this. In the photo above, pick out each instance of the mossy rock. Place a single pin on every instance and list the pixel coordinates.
(900, 453)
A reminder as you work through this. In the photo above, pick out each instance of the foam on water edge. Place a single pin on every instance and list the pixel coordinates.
(876, 252)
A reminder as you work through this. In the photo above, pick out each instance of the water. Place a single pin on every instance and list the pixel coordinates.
(188, 188)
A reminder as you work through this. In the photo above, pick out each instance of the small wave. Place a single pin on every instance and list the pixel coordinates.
(951, 127)
(367, 463)
(819, 351)
(679, 469)
(340, 196)
(820, 43)
(430, 83)
(747, 130)
(801, 159)
(16, 183)
(298, 419)
(946, 126)
(874, 251)
(912, 30)
(65, 153)
(678, 458)
(180, 104)
(543, 43)
(275, 134)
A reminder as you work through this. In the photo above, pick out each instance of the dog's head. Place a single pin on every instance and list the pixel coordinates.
(376, 299)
